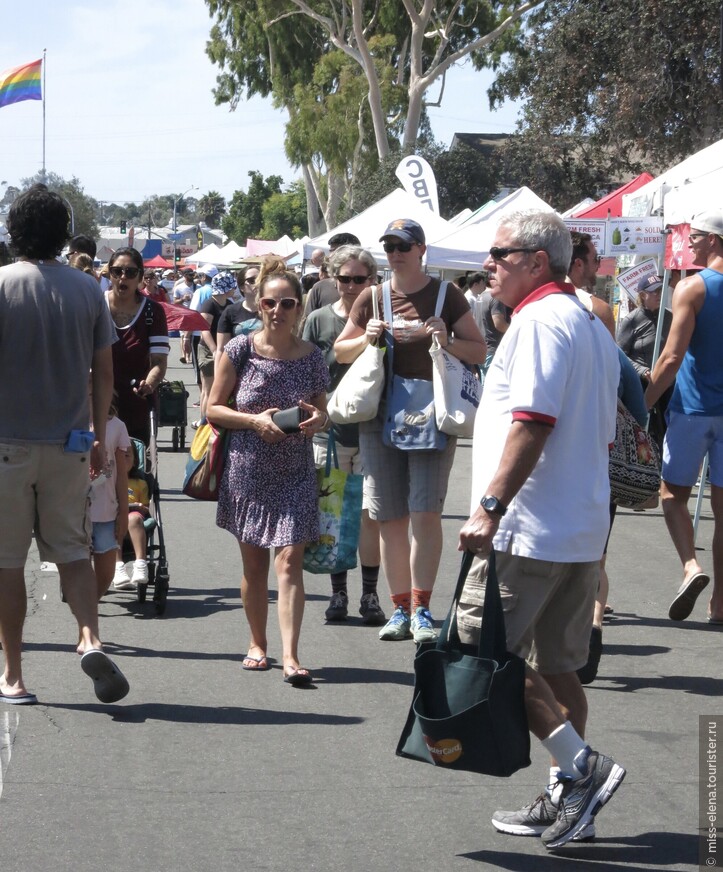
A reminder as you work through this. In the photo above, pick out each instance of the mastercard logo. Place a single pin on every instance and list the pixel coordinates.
(444, 751)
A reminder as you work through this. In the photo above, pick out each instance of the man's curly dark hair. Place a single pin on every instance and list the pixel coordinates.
(38, 223)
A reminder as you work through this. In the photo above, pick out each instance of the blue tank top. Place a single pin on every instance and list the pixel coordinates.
(699, 384)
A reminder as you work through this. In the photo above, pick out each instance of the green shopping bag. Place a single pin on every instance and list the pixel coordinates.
(340, 508)
(468, 709)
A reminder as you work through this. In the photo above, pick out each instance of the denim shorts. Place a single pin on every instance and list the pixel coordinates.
(103, 539)
(687, 440)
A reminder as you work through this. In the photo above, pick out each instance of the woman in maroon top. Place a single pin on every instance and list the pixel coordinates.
(141, 353)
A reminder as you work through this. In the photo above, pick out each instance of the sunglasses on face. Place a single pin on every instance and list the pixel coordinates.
(697, 235)
(130, 272)
(358, 280)
(391, 247)
(268, 304)
(497, 253)
(251, 281)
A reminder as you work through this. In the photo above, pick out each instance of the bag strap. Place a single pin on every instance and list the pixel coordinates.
(389, 333)
(331, 455)
(441, 295)
(493, 638)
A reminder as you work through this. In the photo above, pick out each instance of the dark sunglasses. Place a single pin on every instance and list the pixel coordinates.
(501, 253)
(697, 235)
(358, 280)
(130, 272)
(286, 303)
(391, 247)
(251, 281)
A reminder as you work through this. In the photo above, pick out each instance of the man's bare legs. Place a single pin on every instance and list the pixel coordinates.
(13, 608)
(80, 589)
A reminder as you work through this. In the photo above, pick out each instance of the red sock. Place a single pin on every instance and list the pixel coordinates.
(402, 599)
(420, 598)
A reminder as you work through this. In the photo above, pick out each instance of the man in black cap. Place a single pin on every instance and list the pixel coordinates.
(692, 358)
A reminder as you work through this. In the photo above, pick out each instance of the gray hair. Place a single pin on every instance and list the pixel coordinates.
(543, 231)
(338, 258)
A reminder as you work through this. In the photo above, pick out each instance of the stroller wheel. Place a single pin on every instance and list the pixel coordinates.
(160, 596)
(174, 438)
(142, 588)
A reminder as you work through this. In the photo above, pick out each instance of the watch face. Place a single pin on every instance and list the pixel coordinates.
(492, 504)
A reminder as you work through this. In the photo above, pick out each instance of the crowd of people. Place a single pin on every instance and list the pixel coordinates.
(528, 323)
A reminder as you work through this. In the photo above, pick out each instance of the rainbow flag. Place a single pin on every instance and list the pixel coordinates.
(21, 83)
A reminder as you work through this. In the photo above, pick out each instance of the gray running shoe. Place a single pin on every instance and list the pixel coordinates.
(534, 819)
(397, 627)
(423, 626)
(581, 800)
(337, 609)
(370, 610)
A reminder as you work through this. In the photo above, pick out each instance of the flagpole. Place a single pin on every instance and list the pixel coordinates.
(44, 62)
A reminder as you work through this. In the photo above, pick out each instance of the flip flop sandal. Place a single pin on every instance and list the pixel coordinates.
(685, 599)
(258, 661)
(298, 677)
(109, 683)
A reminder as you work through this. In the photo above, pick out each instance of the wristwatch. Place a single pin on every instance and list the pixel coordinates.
(493, 506)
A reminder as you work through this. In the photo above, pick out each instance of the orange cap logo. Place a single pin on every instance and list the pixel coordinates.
(444, 751)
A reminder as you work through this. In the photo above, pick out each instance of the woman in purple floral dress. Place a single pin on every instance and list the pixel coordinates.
(268, 494)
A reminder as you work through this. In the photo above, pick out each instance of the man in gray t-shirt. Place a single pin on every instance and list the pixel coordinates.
(54, 328)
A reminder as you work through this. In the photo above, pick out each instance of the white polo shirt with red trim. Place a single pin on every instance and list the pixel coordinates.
(558, 365)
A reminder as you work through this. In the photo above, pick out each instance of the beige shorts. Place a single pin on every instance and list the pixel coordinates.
(43, 490)
(548, 609)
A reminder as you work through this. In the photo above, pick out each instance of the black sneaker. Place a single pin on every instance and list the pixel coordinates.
(534, 819)
(338, 607)
(582, 799)
(371, 611)
(588, 673)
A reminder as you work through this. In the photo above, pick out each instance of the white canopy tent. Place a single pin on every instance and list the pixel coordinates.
(231, 252)
(369, 225)
(467, 247)
(210, 254)
(703, 170)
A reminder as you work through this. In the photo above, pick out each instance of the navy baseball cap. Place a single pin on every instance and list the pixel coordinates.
(406, 230)
(649, 284)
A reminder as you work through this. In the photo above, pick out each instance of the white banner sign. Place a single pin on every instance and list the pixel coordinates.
(629, 278)
(181, 250)
(635, 236)
(417, 177)
(596, 229)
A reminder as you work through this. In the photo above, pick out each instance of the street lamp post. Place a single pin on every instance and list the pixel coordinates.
(175, 205)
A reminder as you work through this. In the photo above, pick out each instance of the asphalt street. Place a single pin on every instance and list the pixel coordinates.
(206, 767)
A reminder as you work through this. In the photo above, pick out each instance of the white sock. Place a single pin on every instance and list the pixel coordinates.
(141, 562)
(554, 787)
(564, 745)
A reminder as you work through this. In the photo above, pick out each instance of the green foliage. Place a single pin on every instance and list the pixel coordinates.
(636, 81)
(245, 217)
(285, 213)
(85, 208)
(211, 208)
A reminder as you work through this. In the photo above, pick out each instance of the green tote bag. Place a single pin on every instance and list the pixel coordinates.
(468, 709)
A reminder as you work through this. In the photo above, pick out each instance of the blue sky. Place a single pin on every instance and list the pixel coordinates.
(129, 108)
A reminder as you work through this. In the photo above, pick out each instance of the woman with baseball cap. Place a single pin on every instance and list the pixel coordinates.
(407, 489)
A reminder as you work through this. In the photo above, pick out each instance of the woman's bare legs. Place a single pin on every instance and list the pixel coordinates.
(288, 563)
(255, 596)
(396, 552)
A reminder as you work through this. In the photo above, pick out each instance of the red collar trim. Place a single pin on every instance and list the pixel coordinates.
(545, 291)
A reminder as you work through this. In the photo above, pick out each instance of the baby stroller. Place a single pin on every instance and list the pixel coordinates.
(158, 577)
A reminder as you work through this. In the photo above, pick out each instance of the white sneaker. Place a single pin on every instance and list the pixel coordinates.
(121, 579)
(140, 572)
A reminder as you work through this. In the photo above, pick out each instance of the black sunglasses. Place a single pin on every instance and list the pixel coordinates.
(358, 280)
(269, 303)
(498, 253)
(391, 247)
(130, 272)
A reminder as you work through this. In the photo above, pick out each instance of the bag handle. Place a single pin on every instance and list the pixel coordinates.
(331, 455)
(493, 638)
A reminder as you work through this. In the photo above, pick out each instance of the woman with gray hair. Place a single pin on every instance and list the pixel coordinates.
(353, 269)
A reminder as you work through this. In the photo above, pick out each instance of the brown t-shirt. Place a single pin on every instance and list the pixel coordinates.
(410, 311)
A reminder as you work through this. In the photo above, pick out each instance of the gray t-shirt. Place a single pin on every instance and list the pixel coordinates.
(53, 318)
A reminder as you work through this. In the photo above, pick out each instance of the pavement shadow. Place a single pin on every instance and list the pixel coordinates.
(353, 675)
(197, 714)
(630, 619)
(634, 650)
(655, 850)
(698, 685)
(123, 650)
